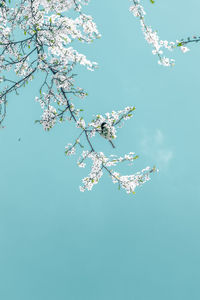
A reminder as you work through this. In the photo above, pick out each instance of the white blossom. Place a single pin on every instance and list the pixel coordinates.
(184, 49)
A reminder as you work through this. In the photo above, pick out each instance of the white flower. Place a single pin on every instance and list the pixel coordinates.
(184, 49)
(80, 123)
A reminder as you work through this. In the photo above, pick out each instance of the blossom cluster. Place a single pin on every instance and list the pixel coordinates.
(49, 118)
(112, 120)
(37, 36)
(102, 163)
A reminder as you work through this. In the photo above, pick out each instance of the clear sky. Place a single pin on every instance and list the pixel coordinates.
(57, 243)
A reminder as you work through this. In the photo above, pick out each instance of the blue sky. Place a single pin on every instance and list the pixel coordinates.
(58, 243)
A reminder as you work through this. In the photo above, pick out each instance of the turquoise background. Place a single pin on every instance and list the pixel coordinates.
(58, 243)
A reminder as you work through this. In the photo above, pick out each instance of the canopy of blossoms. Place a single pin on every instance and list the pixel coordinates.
(37, 37)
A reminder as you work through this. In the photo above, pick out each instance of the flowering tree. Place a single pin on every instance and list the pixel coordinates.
(35, 38)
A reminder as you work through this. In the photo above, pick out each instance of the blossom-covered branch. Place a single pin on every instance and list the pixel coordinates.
(100, 162)
(151, 36)
(36, 37)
